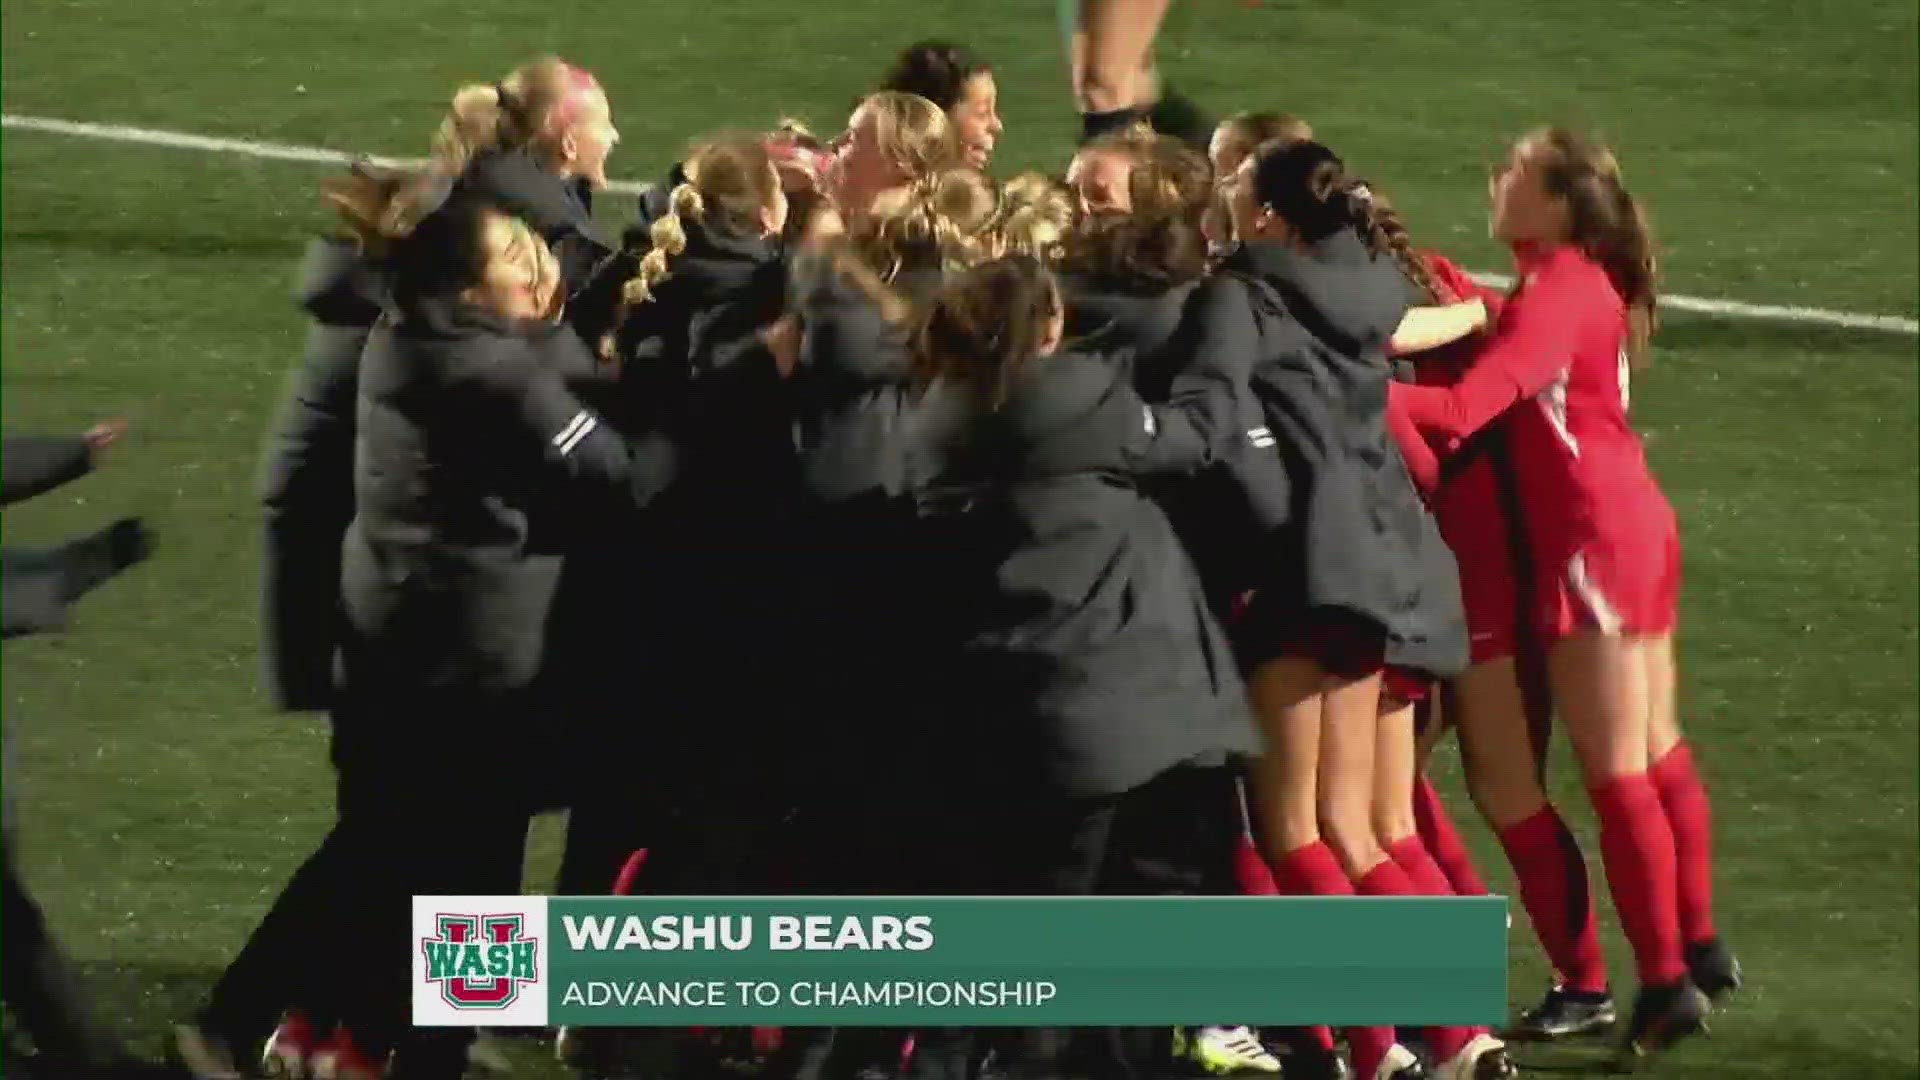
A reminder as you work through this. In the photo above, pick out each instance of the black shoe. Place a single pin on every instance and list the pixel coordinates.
(1662, 1016)
(1714, 969)
(1302, 1058)
(1564, 1013)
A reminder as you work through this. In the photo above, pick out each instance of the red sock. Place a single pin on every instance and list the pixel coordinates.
(1386, 879)
(1389, 879)
(1251, 871)
(1412, 856)
(1559, 901)
(1312, 870)
(1684, 798)
(1443, 842)
(629, 876)
(1636, 844)
(1367, 1047)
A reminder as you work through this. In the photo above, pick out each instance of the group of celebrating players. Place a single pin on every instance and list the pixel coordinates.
(863, 524)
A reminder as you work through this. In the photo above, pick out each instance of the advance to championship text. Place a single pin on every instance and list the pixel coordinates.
(808, 993)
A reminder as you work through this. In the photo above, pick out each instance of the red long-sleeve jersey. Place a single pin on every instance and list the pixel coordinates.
(1559, 353)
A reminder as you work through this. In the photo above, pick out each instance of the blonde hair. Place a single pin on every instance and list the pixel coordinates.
(942, 220)
(1135, 141)
(730, 180)
(380, 206)
(1171, 178)
(913, 132)
(1036, 215)
(519, 110)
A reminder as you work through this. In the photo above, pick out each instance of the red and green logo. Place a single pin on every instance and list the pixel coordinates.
(481, 961)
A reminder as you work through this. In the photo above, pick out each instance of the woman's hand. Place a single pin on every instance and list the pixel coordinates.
(105, 434)
(782, 339)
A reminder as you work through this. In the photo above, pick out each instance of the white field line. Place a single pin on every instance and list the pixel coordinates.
(1732, 309)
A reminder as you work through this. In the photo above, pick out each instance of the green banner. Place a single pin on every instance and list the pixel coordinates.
(1044, 961)
(509, 961)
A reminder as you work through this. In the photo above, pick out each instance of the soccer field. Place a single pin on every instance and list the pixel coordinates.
(1776, 142)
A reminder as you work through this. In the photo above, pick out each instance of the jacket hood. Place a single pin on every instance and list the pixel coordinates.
(716, 265)
(515, 182)
(1337, 289)
(339, 286)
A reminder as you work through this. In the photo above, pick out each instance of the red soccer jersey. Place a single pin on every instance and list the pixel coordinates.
(1559, 353)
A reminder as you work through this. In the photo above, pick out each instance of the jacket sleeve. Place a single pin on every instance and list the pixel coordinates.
(307, 495)
(583, 460)
(1533, 345)
(1204, 413)
(846, 338)
(34, 465)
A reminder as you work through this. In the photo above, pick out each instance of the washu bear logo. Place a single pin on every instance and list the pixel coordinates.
(481, 961)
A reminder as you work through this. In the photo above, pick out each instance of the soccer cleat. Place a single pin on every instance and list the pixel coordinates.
(206, 1055)
(1564, 1013)
(1714, 969)
(1662, 1016)
(1400, 1064)
(289, 1049)
(1224, 1051)
(1483, 1058)
(1315, 1063)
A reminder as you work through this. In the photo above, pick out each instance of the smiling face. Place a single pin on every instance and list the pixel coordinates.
(589, 136)
(520, 279)
(1523, 210)
(976, 119)
(1100, 179)
(861, 169)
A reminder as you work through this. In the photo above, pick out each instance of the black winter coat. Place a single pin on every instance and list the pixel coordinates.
(307, 486)
(474, 467)
(655, 613)
(1086, 659)
(1361, 541)
(1168, 331)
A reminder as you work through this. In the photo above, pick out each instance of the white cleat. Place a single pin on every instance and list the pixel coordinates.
(1484, 1058)
(1400, 1064)
(1224, 1051)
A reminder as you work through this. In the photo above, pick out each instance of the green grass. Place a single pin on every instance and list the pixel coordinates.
(1776, 142)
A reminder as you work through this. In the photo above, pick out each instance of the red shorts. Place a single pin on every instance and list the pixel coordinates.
(1478, 531)
(1619, 585)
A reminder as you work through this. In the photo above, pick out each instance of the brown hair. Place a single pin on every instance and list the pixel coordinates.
(730, 180)
(1248, 131)
(1037, 214)
(936, 70)
(1161, 243)
(940, 221)
(379, 207)
(1136, 141)
(1604, 220)
(985, 327)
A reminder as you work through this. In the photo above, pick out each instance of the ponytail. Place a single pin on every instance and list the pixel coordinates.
(1386, 233)
(669, 238)
(472, 126)
(1633, 265)
(1606, 222)
(984, 328)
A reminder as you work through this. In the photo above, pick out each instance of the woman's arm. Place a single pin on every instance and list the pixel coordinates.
(1218, 341)
(1425, 328)
(1532, 347)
